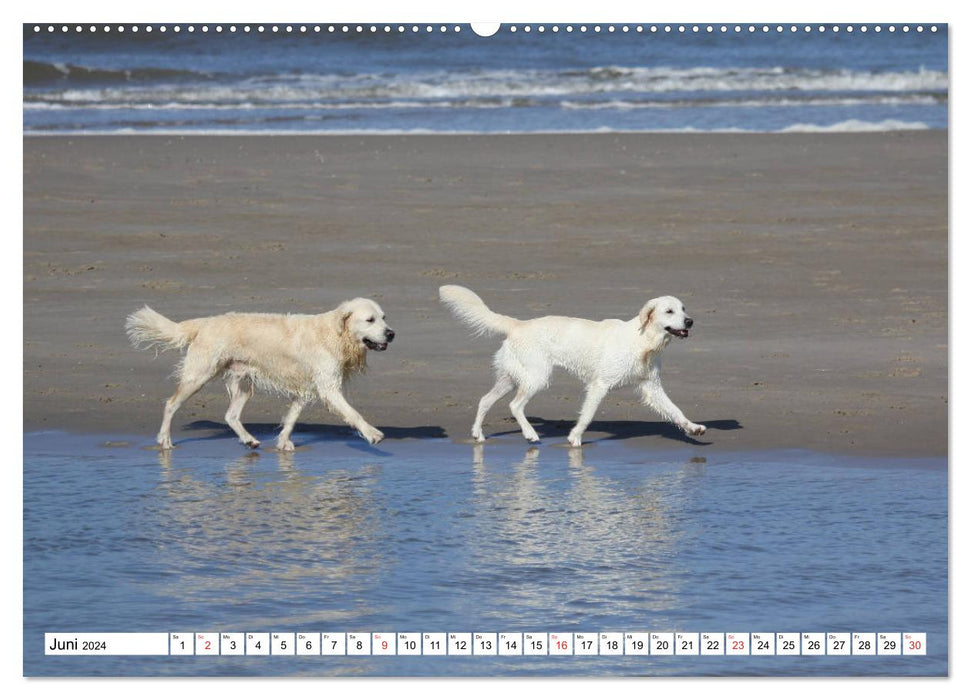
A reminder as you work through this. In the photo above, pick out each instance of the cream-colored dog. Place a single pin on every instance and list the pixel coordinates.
(299, 356)
(602, 354)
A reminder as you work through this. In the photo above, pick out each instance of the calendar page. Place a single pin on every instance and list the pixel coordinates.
(343, 349)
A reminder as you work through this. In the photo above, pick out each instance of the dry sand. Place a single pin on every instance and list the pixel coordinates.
(815, 267)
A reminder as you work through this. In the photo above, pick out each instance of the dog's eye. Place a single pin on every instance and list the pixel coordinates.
(670, 311)
(371, 320)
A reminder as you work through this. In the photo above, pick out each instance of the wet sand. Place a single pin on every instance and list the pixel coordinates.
(815, 266)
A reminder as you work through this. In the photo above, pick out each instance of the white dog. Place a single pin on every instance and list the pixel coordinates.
(602, 354)
(299, 356)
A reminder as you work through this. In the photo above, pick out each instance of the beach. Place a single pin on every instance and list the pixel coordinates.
(815, 267)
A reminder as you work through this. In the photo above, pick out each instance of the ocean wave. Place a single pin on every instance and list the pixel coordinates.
(848, 126)
(761, 101)
(483, 103)
(38, 73)
(81, 85)
(801, 101)
(855, 125)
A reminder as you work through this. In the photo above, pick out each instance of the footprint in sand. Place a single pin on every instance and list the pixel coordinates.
(905, 366)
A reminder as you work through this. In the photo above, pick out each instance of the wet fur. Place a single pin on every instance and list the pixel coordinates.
(353, 355)
(602, 354)
(302, 357)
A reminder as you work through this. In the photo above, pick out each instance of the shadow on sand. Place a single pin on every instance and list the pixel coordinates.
(308, 433)
(548, 429)
(622, 429)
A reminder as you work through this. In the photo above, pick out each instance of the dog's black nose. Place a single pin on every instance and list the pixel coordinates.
(689, 322)
(389, 334)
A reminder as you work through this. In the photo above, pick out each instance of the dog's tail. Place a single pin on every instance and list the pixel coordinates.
(472, 311)
(147, 328)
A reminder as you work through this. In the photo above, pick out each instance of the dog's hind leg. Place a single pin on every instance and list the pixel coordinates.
(503, 386)
(517, 406)
(238, 396)
(283, 442)
(596, 391)
(196, 371)
(530, 373)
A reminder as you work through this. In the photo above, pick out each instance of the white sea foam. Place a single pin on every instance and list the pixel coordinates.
(768, 101)
(849, 126)
(855, 125)
(467, 85)
(46, 105)
(503, 103)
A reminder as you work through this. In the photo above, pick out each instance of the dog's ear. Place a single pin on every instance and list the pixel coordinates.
(344, 313)
(647, 313)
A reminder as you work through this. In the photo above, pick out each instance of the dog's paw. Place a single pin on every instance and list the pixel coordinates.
(252, 444)
(531, 436)
(373, 436)
(478, 436)
(575, 440)
(165, 442)
(694, 429)
(285, 445)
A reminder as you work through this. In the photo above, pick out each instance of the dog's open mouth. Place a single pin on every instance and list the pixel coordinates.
(375, 346)
(680, 332)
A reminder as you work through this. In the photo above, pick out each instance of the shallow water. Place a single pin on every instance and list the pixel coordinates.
(422, 536)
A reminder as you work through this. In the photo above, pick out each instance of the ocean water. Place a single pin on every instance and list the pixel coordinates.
(514, 81)
(431, 535)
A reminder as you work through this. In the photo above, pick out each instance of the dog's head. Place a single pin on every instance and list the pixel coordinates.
(666, 315)
(363, 320)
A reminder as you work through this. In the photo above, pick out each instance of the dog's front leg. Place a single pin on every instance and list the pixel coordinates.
(653, 394)
(595, 394)
(333, 397)
(284, 442)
